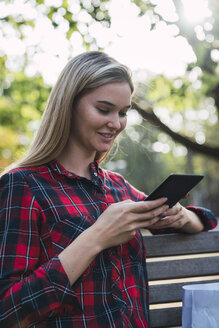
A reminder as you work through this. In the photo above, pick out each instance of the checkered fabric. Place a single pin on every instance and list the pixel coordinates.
(42, 211)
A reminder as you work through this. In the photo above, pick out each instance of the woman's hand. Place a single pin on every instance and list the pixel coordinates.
(116, 225)
(179, 217)
(120, 221)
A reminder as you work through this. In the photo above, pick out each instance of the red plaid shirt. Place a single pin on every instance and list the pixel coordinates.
(42, 210)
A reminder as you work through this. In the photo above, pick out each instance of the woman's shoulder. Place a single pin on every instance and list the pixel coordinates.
(17, 174)
(113, 175)
(118, 179)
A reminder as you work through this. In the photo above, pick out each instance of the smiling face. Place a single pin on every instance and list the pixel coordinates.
(99, 116)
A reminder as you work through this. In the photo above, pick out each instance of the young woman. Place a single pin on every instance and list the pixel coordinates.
(71, 253)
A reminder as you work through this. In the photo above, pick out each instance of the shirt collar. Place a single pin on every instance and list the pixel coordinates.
(59, 168)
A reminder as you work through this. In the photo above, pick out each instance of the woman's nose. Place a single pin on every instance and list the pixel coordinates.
(114, 122)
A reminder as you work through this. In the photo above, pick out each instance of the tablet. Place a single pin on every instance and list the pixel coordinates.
(175, 187)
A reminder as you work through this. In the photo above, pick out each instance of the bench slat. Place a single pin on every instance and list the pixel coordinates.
(177, 244)
(166, 317)
(183, 268)
(167, 268)
(171, 292)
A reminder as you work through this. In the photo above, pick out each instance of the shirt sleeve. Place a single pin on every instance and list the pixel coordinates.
(206, 216)
(29, 291)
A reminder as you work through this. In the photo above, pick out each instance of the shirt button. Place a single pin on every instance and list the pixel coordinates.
(95, 174)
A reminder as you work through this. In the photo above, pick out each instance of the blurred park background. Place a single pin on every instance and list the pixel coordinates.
(172, 47)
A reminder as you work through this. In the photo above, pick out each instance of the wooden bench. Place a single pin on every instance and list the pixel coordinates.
(175, 260)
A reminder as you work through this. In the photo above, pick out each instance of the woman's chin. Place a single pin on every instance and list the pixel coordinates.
(104, 148)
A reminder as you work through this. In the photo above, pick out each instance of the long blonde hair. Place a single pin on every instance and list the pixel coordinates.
(83, 73)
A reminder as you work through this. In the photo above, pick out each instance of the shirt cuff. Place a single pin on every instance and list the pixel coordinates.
(64, 292)
(206, 216)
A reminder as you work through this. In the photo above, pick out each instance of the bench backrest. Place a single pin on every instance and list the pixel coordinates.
(174, 260)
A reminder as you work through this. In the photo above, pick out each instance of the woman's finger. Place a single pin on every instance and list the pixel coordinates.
(145, 206)
(173, 210)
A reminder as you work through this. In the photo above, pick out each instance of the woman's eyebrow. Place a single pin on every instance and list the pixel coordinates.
(111, 104)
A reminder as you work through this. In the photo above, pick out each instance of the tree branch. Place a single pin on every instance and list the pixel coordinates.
(205, 150)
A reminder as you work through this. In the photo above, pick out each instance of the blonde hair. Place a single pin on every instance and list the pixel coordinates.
(83, 73)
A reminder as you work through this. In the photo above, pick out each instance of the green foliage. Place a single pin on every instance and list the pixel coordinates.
(95, 9)
(23, 99)
(144, 6)
(21, 107)
(166, 93)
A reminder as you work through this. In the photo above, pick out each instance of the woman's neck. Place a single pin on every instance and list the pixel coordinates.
(76, 162)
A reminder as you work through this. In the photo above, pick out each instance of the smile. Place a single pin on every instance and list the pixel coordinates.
(108, 136)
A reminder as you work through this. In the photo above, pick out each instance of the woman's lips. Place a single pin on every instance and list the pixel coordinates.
(107, 136)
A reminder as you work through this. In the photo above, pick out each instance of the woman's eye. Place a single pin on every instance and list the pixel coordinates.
(107, 111)
(103, 111)
(123, 114)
